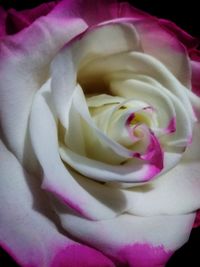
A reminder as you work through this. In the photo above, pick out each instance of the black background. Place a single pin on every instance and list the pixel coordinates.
(185, 14)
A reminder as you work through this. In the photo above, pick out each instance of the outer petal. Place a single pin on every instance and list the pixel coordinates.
(185, 38)
(24, 61)
(191, 44)
(166, 48)
(130, 240)
(156, 40)
(27, 231)
(18, 20)
(195, 62)
(92, 12)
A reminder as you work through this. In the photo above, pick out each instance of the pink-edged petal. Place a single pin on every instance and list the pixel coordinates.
(132, 171)
(57, 178)
(195, 62)
(24, 66)
(135, 170)
(125, 10)
(78, 255)
(29, 228)
(167, 49)
(167, 105)
(191, 44)
(185, 38)
(131, 240)
(18, 20)
(180, 185)
(101, 11)
(92, 12)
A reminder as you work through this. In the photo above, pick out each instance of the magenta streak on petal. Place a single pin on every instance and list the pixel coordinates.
(151, 173)
(143, 255)
(155, 157)
(154, 152)
(171, 127)
(130, 129)
(137, 155)
(66, 200)
(80, 256)
(130, 118)
(190, 139)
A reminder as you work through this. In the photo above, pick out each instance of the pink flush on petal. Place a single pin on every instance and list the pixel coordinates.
(151, 173)
(144, 255)
(130, 129)
(18, 20)
(171, 127)
(153, 154)
(80, 256)
(129, 119)
(67, 201)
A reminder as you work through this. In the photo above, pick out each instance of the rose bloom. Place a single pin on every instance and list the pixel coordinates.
(100, 149)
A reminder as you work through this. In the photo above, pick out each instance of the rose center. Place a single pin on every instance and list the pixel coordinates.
(124, 121)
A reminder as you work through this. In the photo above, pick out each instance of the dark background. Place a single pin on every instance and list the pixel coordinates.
(184, 14)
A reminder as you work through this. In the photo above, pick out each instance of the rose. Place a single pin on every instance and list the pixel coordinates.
(137, 248)
(117, 214)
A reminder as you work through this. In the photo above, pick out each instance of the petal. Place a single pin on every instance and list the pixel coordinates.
(91, 12)
(28, 228)
(195, 62)
(184, 37)
(122, 37)
(131, 240)
(136, 63)
(140, 64)
(18, 20)
(167, 49)
(195, 101)
(180, 185)
(57, 178)
(134, 170)
(78, 255)
(154, 96)
(24, 66)
(125, 10)
(167, 105)
(157, 41)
